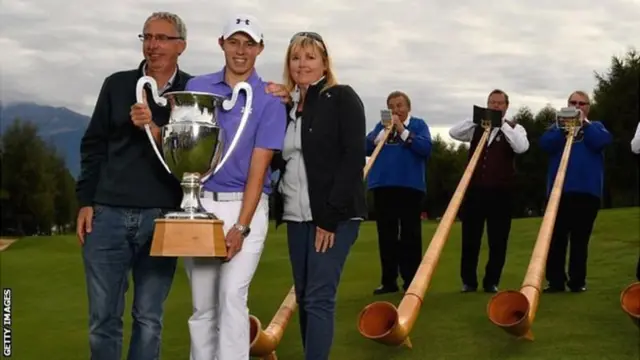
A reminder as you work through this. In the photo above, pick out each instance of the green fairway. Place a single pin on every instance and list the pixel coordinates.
(50, 308)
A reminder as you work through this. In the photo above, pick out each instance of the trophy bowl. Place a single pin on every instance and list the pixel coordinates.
(191, 147)
(192, 144)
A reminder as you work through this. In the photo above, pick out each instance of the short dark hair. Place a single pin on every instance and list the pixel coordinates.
(498, 91)
(395, 94)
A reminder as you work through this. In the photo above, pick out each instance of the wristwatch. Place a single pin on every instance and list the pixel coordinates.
(244, 230)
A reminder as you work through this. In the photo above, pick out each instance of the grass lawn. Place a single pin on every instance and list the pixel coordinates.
(50, 308)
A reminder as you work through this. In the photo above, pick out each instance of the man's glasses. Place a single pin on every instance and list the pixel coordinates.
(157, 37)
(580, 103)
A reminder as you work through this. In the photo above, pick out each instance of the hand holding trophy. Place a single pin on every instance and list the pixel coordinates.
(191, 150)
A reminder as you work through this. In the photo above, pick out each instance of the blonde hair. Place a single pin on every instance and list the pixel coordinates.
(303, 42)
(581, 93)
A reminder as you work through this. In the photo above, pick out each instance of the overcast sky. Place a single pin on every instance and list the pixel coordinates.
(447, 55)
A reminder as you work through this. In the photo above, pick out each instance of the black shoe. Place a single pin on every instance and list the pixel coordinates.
(491, 289)
(385, 290)
(467, 288)
(578, 289)
(553, 289)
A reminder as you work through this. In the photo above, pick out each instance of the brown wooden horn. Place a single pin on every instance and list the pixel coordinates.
(381, 321)
(264, 342)
(630, 302)
(514, 311)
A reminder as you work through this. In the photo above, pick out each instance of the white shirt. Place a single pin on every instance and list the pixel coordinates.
(516, 136)
(635, 142)
(168, 84)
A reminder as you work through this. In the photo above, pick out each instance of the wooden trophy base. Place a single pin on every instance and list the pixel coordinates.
(188, 237)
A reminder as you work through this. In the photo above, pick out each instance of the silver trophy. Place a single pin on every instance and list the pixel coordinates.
(192, 140)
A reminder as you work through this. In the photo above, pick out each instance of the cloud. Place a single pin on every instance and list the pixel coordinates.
(447, 55)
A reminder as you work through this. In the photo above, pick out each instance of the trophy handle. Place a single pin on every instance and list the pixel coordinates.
(160, 101)
(227, 105)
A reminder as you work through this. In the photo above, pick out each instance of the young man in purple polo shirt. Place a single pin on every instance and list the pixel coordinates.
(238, 195)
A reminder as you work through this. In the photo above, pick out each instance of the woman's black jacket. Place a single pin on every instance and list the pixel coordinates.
(333, 147)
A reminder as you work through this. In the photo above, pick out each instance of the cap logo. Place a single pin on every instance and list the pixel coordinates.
(246, 21)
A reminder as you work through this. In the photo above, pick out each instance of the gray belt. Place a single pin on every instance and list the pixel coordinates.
(221, 196)
(226, 196)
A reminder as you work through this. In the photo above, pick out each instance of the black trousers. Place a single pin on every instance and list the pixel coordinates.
(577, 213)
(495, 207)
(638, 270)
(399, 233)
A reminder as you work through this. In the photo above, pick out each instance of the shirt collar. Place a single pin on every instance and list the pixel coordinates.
(169, 83)
(218, 77)
(295, 93)
(407, 120)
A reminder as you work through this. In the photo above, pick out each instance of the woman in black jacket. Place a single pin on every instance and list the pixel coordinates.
(320, 191)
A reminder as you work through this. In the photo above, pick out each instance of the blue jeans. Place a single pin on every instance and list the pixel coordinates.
(119, 242)
(316, 277)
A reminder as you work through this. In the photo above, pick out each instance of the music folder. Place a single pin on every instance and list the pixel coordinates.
(481, 113)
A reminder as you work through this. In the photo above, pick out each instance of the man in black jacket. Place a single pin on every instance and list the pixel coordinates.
(122, 189)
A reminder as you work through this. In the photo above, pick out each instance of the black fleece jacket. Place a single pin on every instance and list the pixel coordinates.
(118, 164)
(333, 147)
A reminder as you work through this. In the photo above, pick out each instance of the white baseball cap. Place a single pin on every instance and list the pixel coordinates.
(243, 23)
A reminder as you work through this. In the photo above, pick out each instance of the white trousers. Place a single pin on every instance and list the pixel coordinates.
(219, 325)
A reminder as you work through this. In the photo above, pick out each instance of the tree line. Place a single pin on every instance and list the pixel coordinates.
(615, 103)
(37, 193)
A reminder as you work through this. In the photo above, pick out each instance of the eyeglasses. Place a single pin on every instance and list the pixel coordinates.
(581, 103)
(158, 37)
(311, 35)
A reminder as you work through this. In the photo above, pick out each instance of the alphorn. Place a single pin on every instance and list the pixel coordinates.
(381, 321)
(514, 311)
(264, 342)
(630, 302)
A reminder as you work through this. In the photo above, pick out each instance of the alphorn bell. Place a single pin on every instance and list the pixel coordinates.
(514, 311)
(264, 342)
(630, 302)
(381, 321)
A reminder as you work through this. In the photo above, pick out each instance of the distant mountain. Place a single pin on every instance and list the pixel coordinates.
(60, 125)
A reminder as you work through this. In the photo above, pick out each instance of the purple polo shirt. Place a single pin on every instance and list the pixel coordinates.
(265, 128)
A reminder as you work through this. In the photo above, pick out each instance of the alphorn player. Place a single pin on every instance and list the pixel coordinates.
(581, 194)
(397, 179)
(489, 195)
(635, 148)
